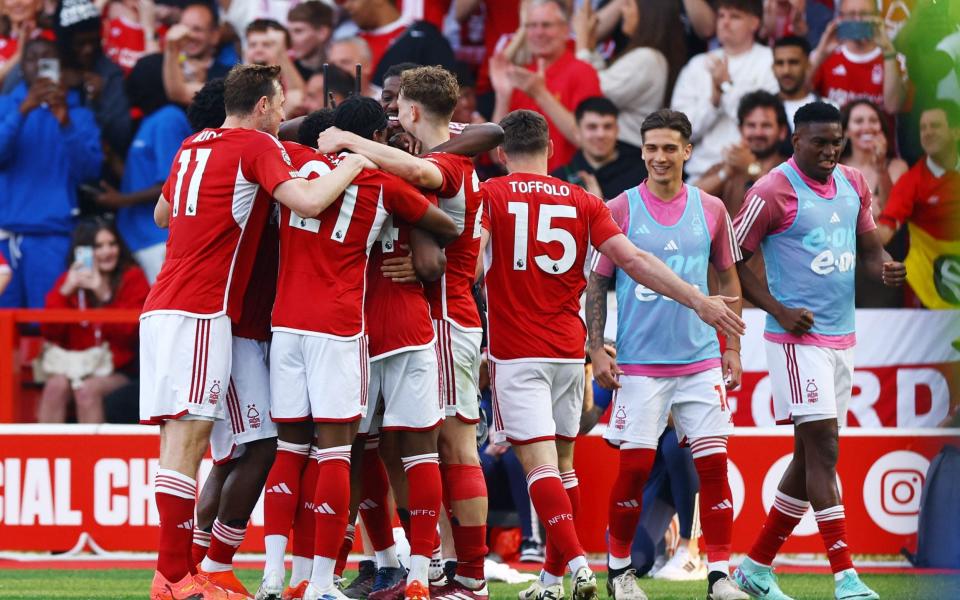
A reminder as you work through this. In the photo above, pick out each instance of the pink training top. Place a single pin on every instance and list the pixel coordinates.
(771, 208)
(723, 254)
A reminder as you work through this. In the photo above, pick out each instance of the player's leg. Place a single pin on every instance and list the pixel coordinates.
(303, 528)
(639, 416)
(207, 505)
(683, 484)
(702, 416)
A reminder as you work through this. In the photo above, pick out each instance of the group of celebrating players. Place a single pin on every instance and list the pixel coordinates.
(347, 265)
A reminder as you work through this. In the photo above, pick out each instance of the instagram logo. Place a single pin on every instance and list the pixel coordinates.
(892, 488)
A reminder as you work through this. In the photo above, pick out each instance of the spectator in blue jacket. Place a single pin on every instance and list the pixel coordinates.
(49, 145)
(163, 128)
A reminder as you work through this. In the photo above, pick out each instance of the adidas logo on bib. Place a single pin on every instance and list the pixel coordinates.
(671, 246)
(835, 218)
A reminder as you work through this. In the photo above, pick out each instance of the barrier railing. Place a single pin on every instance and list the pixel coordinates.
(10, 363)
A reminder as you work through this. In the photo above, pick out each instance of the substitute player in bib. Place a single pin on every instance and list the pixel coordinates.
(676, 369)
(319, 366)
(427, 99)
(809, 215)
(537, 230)
(218, 199)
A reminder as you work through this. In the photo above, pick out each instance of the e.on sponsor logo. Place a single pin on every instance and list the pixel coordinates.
(37, 491)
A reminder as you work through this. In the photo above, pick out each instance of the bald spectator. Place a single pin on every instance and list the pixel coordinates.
(710, 87)
(310, 25)
(855, 59)
(350, 52)
(553, 83)
(268, 43)
(189, 55)
(927, 200)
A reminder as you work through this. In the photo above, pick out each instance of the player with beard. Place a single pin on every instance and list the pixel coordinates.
(537, 230)
(811, 216)
(763, 130)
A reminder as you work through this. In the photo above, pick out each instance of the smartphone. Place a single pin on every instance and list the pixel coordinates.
(49, 68)
(83, 255)
(855, 30)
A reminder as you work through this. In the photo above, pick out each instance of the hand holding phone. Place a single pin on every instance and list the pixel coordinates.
(858, 31)
(49, 68)
(83, 256)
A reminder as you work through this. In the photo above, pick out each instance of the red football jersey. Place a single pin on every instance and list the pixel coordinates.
(258, 299)
(451, 297)
(219, 193)
(124, 43)
(323, 260)
(540, 228)
(381, 39)
(844, 76)
(398, 316)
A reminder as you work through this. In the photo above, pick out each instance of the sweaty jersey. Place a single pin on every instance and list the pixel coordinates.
(219, 192)
(540, 228)
(451, 297)
(398, 316)
(321, 288)
(254, 322)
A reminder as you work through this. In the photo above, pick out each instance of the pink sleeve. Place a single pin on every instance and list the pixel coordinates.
(620, 211)
(762, 212)
(865, 218)
(724, 253)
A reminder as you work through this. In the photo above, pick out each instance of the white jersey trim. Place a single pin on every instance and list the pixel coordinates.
(183, 313)
(321, 334)
(459, 326)
(405, 349)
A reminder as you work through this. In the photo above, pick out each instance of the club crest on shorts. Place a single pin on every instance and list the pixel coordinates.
(620, 419)
(214, 396)
(253, 416)
(813, 394)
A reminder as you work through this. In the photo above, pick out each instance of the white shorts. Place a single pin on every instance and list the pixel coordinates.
(459, 370)
(642, 405)
(248, 402)
(184, 367)
(317, 377)
(408, 385)
(809, 383)
(536, 401)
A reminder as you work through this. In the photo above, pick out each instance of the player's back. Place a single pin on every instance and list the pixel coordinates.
(540, 228)
(323, 260)
(218, 190)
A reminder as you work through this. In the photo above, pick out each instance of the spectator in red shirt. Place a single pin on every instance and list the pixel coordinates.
(18, 21)
(129, 33)
(927, 199)
(114, 281)
(855, 59)
(554, 82)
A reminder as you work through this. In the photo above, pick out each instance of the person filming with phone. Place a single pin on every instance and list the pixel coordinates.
(86, 361)
(49, 144)
(856, 59)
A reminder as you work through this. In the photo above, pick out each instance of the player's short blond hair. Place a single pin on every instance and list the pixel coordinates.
(434, 88)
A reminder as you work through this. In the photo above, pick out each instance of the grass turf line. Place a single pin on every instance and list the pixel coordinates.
(122, 584)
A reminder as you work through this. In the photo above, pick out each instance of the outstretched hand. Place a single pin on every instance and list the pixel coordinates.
(714, 311)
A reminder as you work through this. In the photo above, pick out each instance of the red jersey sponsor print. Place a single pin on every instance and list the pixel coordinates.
(451, 297)
(219, 192)
(258, 299)
(845, 76)
(398, 316)
(323, 260)
(540, 228)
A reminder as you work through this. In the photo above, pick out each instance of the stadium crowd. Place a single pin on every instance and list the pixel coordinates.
(98, 96)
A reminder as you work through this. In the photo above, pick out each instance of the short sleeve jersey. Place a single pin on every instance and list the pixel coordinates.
(845, 76)
(459, 196)
(254, 322)
(321, 286)
(540, 228)
(219, 190)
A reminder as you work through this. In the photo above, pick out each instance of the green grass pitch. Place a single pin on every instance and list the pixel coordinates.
(121, 584)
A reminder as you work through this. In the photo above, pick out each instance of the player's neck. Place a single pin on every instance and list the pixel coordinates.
(432, 135)
(665, 191)
(235, 122)
(532, 165)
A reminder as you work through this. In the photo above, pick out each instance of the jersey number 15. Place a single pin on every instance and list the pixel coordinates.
(546, 233)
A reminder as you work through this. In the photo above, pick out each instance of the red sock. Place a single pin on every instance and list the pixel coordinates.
(424, 499)
(783, 517)
(345, 547)
(716, 502)
(281, 493)
(303, 524)
(374, 503)
(555, 511)
(833, 529)
(626, 498)
(201, 542)
(224, 542)
(331, 501)
(553, 559)
(465, 482)
(176, 496)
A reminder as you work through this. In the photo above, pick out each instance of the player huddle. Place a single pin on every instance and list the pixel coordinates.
(347, 266)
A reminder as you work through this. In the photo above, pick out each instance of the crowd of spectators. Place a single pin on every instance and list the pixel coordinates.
(95, 92)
